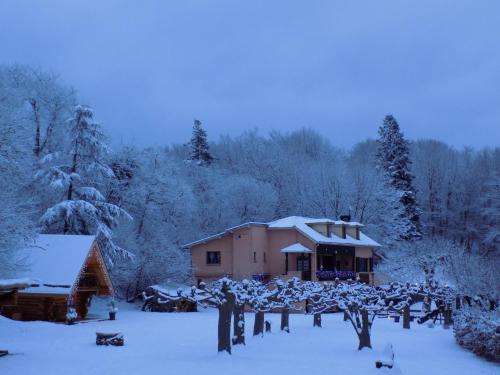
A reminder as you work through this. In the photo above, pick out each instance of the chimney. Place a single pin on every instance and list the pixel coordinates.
(345, 217)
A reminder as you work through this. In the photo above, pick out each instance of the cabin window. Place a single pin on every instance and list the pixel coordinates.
(254, 257)
(265, 257)
(362, 264)
(213, 257)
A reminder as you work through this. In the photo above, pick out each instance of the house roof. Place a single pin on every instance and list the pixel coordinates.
(54, 262)
(227, 231)
(296, 248)
(302, 225)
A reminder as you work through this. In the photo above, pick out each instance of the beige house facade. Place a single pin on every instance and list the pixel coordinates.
(308, 248)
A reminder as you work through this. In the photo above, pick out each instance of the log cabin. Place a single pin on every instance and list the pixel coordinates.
(64, 271)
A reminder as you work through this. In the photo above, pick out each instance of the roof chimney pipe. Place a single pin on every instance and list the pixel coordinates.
(345, 218)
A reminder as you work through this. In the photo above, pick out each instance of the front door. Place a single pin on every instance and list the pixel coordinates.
(304, 265)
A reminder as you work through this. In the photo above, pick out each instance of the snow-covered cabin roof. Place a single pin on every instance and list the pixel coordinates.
(296, 248)
(8, 284)
(302, 225)
(54, 262)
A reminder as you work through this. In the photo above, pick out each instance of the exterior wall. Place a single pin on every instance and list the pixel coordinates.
(46, 307)
(205, 271)
(277, 240)
(337, 230)
(364, 252)
(320, 227)
(249, 246)
(351, 231)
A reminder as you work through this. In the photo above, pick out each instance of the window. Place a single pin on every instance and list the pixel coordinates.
(213, 257)
(254, 257)
(265, 257)
(362, 264)
(343, 231)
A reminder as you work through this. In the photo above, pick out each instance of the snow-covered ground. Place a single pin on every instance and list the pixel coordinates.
(162, 343)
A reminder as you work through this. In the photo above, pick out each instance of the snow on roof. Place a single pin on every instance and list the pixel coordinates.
(14, 283)
(301, 224)
(296, 248)
(54, 261)
(44, 289)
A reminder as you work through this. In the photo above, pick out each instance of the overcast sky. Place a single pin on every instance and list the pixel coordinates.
(150, 67)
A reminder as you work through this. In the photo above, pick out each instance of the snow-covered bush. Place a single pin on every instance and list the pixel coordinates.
(478, 331)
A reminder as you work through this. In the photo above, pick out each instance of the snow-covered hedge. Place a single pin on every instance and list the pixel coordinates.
(479, 331)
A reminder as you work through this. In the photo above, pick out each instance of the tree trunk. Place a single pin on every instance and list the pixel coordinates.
(448, 321)
(224, 329)
(458, 303)
(346, 316)
(258, 327)
(317, 320)
(239, 324)
(364, 335)
(406, 316)
(285, 320)
(427, 303)
(36, 116)
(70, 191)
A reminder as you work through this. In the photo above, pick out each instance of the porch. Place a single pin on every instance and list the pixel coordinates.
(327, 263)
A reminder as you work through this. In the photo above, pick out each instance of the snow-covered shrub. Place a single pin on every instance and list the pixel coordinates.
(478, 331)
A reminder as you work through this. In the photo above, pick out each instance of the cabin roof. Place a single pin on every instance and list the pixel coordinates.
(54, 262)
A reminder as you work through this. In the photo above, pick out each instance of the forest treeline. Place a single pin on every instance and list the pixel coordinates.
(61, 173)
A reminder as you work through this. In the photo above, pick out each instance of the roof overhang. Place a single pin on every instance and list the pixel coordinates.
(296, 248)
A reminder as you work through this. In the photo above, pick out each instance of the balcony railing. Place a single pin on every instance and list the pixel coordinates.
(332, 275)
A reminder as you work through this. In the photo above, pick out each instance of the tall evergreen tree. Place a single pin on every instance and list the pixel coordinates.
(394, 161)
(78, 173)
(199, 145)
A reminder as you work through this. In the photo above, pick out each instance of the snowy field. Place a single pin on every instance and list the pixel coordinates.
(162, 343)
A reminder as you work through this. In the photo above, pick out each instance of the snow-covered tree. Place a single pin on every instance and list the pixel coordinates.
(162, 204)
(418, 261)
(200, 150)
(16, 225)
(285, 297)
(394, 161)
(78, 173)
(360, 303)
(222, 295)
(260, 301)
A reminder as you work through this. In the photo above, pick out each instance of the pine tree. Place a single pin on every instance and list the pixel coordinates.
(79, 172)
(394, 161)
(199, 145)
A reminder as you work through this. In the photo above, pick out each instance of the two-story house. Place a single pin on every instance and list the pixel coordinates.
(312, 249)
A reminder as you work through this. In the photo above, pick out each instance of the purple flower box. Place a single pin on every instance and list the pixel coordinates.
(258, 277)
(332, 275)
